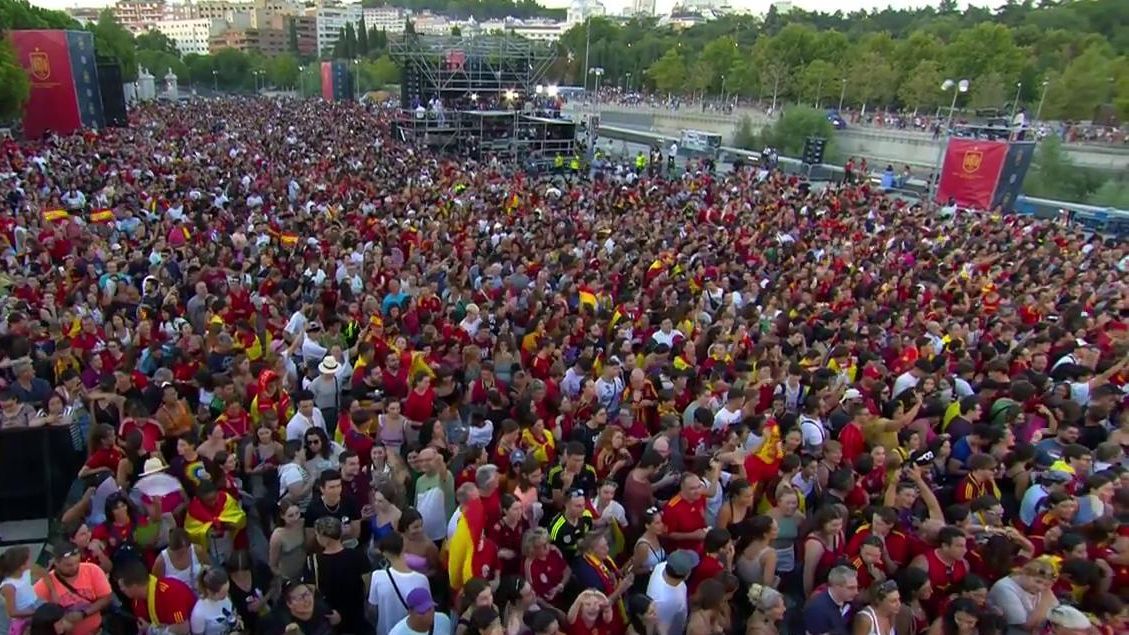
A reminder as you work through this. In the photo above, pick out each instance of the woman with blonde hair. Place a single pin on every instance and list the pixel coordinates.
(545, 566)
(768, 610)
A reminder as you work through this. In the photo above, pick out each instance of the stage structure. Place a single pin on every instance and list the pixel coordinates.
(480, 96)
(984, 172)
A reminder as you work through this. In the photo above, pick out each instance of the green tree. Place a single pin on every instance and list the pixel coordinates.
(282, 71)
(14, 84)
(989, 91)
(922, 87)
(350, 41)
(200, 68)
(1084, 83)
(377, 74)
(456, 31)
(819, 79)
(160, 62)
(871, 81)
(20, 14)
(156, 41)
(668, 73)
(715, 60)
(987, 47)
(362, 39)
(796, 124)
(113, 41)
(233, 68)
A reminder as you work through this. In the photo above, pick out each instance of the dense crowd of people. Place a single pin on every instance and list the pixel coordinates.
(315, 380)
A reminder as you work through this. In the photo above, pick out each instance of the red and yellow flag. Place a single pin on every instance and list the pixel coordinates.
(201, 518)
(56, 215)
(465, 542)
(288, 239)
(587, 298)
(101, 216)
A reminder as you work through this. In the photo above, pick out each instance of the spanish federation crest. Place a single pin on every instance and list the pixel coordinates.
(40, 65)
(972, 160)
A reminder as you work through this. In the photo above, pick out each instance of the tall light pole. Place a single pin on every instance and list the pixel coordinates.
(842, 93)
(598, 71)
(818, 92)
(1015, 102)
(1039, 111)
(723, 89)
(215, 80)
(957, 88)
(301, 81)
(587, 47)
(627, 89)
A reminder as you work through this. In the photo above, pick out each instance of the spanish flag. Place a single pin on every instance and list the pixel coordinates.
(56, 215)
(587, 298)
(201, 518)
(100, 216)
(466, 541)
(512, 203)
(288, 239)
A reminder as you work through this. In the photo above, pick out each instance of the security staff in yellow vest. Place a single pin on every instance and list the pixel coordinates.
(574, 164)
(558, 163)
(640, 162)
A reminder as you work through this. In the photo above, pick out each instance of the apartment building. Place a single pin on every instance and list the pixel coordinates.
(139, 15)
(536, 30)
(388, 19)
(193, 35)
(330, 21)
(269, 42)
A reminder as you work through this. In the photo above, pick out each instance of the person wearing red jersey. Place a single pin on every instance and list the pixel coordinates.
(894, 544)
(1060, 508)
(156, 602)
(685, 516)
(945, 564)
(979, 481)
(868, 564)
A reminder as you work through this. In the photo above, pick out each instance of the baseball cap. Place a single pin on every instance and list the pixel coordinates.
(681, 563)
(419, 600)
(849, 394)
(1068, 617)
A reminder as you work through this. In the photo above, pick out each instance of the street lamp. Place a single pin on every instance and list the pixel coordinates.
(215, 80)
(598, 71)
(947, 85)
(842, 93)
(628, 87)
(723, 89)
(1015, 102)
(1043, 97)
(818, 92)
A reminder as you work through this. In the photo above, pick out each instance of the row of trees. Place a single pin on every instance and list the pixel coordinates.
(888, 58)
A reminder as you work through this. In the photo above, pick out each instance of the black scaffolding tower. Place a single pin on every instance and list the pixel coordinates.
(480, 96)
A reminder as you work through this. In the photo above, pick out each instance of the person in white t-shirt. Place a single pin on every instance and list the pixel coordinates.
(308, 416)
(667, 334)
(391, 588)
(214, 613)
(667, 588)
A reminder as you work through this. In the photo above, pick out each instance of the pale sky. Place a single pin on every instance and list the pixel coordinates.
(616, 7)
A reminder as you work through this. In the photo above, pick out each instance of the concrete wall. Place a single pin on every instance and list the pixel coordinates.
(918, 149)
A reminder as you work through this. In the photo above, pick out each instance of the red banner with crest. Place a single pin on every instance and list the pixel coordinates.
(52, 104)
(971, 171)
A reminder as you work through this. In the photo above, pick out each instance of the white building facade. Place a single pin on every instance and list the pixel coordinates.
(331, 20)
(191, 36)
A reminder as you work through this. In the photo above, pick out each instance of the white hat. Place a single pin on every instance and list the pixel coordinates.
(152, 466)
(1068, 617)
(850, 393)
(329, 365)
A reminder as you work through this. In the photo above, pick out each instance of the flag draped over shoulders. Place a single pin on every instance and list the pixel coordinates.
(464, 543)
(202, 518)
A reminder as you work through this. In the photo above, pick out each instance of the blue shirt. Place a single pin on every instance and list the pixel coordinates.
(393, 299)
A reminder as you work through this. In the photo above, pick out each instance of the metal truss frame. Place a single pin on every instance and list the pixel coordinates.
(491, 63)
